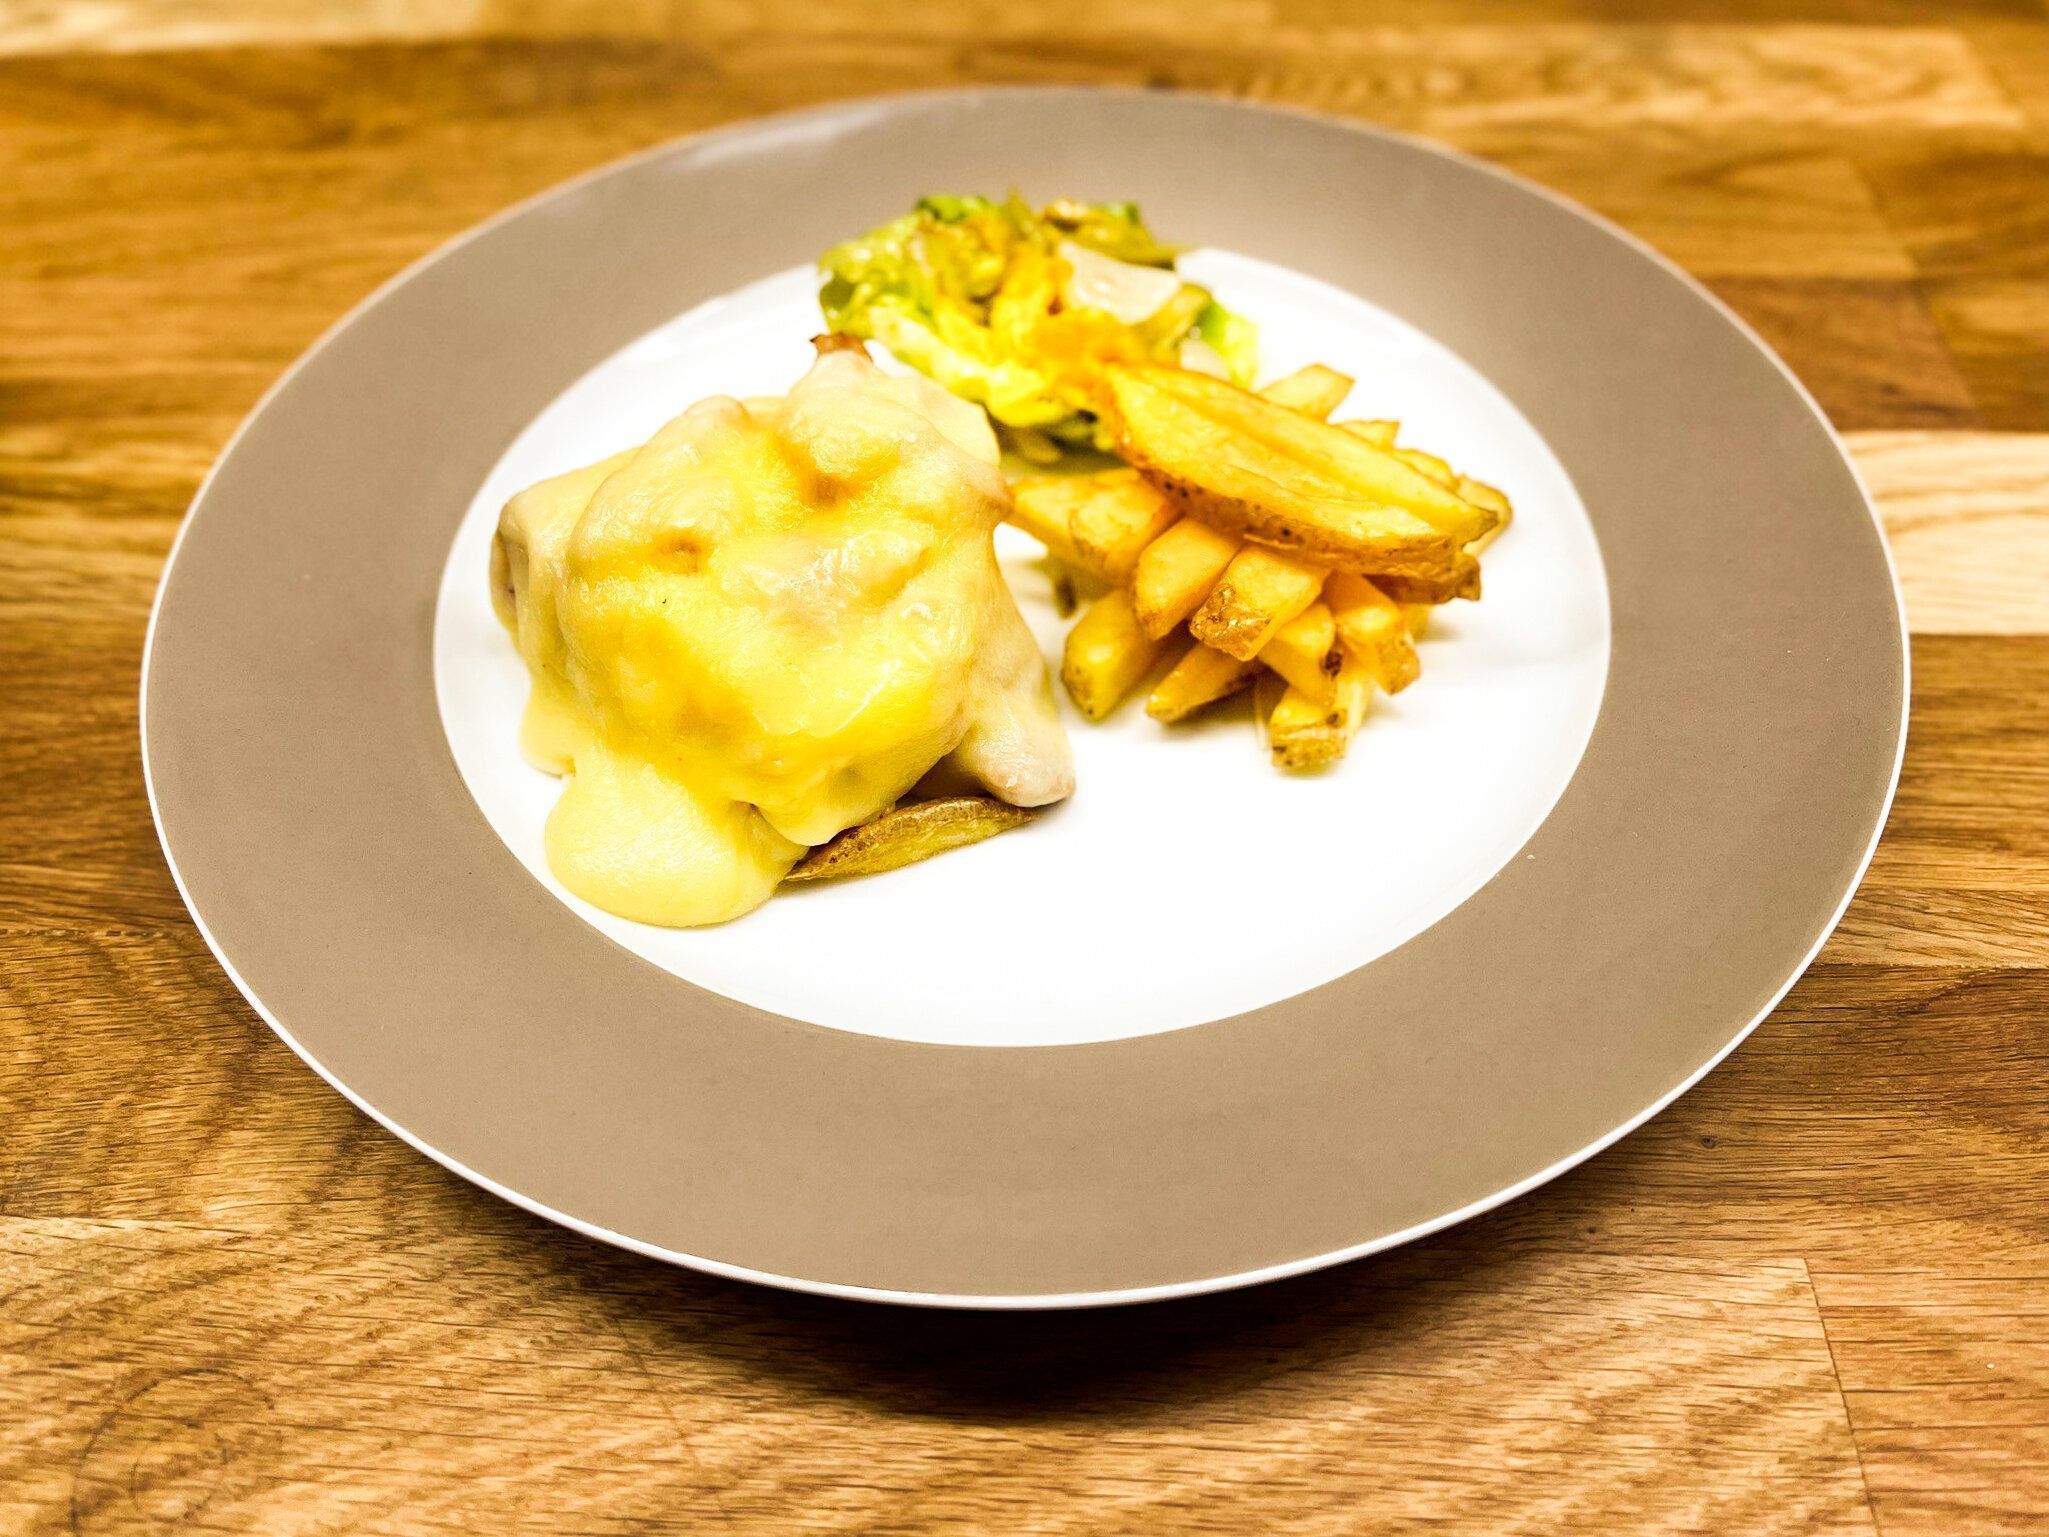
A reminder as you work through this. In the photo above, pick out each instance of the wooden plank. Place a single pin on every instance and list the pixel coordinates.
(147, 1090)
(1870, 351)
(1966, 215)
(2016, 54)
(1962, 833)
(1946, 1379)
(1967, 515)
(232, 1303)
(1997, 330)
(1705, 180)
(137, 26)
(531, 1382)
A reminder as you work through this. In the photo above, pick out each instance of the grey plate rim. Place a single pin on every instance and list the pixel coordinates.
(797, 118)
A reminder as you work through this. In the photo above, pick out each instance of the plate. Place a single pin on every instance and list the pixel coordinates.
(1206, 1024)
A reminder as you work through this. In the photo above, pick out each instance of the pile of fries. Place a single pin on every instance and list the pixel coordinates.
(1258, 543)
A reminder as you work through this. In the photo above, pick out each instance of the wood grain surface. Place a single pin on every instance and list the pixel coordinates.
(1811, 1297)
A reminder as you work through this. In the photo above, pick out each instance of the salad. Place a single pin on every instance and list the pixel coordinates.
(1024, 312)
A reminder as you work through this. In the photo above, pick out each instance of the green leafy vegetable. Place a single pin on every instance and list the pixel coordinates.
(1021, 310)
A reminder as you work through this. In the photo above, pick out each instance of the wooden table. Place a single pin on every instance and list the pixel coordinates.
(1812, 1297)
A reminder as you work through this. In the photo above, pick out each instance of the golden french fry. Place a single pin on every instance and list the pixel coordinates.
(1314, 391)
(1353, 467)
(1236, 482)
(1378, 431)
(1043, 512)
(1305, 652)
(1106, 655)
(908, 834)
(1260, 591)
(1176, 572)
(1305, 735)
(1372, 628)
(1429, 464)
(1098, 523)
(1480, 494)
(1202, 677)
(1417, 617)
(1461, 581)
(1116, 515)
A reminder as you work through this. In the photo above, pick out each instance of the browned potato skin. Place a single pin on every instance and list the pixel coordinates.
(1305, 736)
(1375, 629)
(1260, 591)
(1427, 559)
(1305, 651)
(1462, 581)
(1349, 466)
(908, 834)
(1237, 483)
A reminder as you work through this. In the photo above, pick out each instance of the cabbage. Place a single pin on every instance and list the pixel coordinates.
(1019, 310)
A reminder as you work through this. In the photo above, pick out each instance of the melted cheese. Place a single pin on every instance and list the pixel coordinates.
(761, 627)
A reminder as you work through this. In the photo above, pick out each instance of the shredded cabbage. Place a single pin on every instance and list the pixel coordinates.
(977, 295)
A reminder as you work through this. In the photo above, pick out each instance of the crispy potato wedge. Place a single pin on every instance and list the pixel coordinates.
(1357, 468)
(1305, 652)
(1371, 627)
(907, 834)
(1461, 581)
(1176, 572)
(1378, 431)
(1305, 735)
(1424, 463)
(1238, 483)
(1260, 591)
(1480, 494)
(1116, 515)
(1202, 677)
(1106, 655)
(1314, 391)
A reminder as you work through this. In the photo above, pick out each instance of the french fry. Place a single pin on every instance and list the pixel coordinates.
(1480, 494)
(1417, 617)
(1353, 467)
(1117, 514)
(1042, 511)
(1176, 572)
(1314, 391)
(1260, 591)
(1305, 652)
(1372, 628)
(1429, 464)
(1229, 478)
(1106, 655)
(1305, 735)
(908, 834)
(1462, 580)
(1097, 523)
(1377, 431)
(1202, 677)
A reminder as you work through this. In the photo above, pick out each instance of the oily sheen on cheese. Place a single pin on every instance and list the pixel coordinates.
(763, 626)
